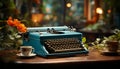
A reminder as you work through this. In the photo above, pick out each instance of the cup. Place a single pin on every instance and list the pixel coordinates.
(112, 46)
(26, 50)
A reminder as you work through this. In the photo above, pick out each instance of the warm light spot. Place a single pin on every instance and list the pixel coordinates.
(99, 11)
(68, 4)
(109, 11)
(36, 18)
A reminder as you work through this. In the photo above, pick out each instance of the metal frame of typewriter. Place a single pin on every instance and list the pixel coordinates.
(36, 35)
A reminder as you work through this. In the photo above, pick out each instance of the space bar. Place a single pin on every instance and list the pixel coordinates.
(68, 50)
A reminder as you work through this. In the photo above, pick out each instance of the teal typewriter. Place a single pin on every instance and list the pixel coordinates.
(54, 41)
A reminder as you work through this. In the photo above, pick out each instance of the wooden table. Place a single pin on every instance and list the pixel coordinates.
(92, 59)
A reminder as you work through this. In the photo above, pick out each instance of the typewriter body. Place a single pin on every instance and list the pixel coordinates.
(54, 41)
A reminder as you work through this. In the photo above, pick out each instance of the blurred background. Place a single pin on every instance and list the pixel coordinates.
(94, 18)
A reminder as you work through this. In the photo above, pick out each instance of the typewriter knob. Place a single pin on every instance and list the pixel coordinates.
(48, 30)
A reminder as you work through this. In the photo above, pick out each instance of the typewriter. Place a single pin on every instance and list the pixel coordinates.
(54, 41)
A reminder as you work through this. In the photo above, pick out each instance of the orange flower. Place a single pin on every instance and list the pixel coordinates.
(21, 28)
(16, 23)
(10, 21)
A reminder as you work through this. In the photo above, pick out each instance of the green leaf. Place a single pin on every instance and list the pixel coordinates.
(83, 39)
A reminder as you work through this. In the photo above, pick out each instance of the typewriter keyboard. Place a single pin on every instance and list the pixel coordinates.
(63, 45)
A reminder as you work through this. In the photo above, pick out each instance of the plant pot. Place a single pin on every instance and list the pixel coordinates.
(8, 56)
(112, 46)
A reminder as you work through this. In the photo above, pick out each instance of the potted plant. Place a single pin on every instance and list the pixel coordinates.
(11, 39)
(110, 43)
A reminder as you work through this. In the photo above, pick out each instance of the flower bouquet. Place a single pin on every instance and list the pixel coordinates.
(10, 33)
